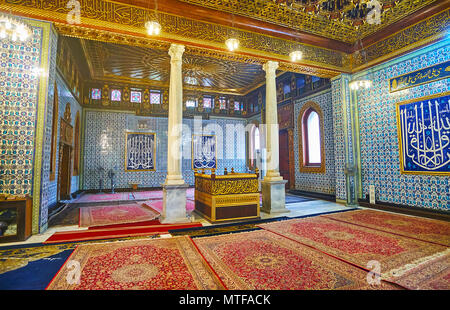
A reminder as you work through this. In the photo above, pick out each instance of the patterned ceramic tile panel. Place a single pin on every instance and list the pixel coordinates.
(338, 97)
(18, 107)
(378, 133)
(317, 182)
(47, 196)
(104, 146)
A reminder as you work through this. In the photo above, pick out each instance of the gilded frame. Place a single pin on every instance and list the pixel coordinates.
(192, 151)
(399, 135)
(310, 105)
(426, 82)
(154, 151)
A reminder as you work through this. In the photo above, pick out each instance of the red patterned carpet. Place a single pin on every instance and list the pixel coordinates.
(264, 260)
(120, 214)
(413, 227)
(431, 275)
(157, 205)
(159, 264)
(355, 244)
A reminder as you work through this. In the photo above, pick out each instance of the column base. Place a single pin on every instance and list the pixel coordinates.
(174, 204)
(274, 196)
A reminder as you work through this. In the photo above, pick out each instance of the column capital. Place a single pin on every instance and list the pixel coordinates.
(270, 67)
(176, 51)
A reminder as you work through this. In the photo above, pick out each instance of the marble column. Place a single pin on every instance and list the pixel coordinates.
(273, 185)
(174, 187)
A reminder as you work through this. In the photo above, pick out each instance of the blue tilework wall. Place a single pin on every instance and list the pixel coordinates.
(18, 108)
(380, 163)
(47, 197)
(317, 182)
(104, 146)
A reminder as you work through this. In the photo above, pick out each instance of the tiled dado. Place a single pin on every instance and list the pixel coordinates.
(317, 182)
(18, 111)
(380, 163)
(104, 148)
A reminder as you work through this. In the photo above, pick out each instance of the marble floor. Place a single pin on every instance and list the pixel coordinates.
(295, 209)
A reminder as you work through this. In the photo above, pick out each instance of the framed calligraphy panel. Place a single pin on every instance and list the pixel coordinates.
(419, 77)
(140, 151)
(423, 126)
(204, 155)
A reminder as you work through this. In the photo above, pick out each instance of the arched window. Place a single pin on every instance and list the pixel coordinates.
(311, 139)
(255, 144)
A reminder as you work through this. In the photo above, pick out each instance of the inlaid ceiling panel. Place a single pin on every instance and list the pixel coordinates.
(123, 63)
(294, 14)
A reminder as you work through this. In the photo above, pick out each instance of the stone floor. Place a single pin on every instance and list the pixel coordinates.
(296, 209)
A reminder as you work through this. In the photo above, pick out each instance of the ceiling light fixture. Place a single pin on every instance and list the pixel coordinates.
(232, 44)
(153, 28)
(356, 85)
(296, 56)
(14, 29)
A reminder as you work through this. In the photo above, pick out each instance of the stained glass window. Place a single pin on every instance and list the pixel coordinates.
(155, 97)
(223, 103)
(207, 102)
(191, 103)
(237, 106)
(136, 96)
(116, 95)
(96, 94)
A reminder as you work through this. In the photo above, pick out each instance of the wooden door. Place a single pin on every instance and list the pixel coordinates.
(65, 171)
(284, 156)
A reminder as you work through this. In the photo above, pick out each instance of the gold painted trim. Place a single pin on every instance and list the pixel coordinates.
(399, 135)
(426, 82)
(154, 151)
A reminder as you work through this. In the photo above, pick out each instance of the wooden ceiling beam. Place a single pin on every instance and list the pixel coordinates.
(196, 12)
(412, 19)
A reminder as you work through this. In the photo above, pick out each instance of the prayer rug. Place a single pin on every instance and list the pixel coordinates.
(433, 274)
(413, 227)
(263, 260)
(158, 264)
(120, 214)
(355, 244)
(196, 232)
(101, 197)
(157, 205)
(120, 232)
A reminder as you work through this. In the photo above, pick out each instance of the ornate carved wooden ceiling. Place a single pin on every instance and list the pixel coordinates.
(266, 30)
(141, 65)
(296, 16)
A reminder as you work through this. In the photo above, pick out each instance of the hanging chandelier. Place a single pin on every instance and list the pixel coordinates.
(296, 56)
(232, 44)
(354, 11)
(153, 28)
(13, 29)
(359, 84)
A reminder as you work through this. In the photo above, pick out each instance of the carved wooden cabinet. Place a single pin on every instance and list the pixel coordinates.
(15, 219)
(234, 196)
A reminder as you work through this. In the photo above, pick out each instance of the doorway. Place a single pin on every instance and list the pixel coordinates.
(284, 156)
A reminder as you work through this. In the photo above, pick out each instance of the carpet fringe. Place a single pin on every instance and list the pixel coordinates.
(394, 273)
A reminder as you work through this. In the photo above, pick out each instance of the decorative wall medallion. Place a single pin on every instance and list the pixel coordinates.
(140, 151)
(424, 135)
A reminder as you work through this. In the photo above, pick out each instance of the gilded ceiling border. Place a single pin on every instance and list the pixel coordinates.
(268, 11)
(110, 20)
(405, 40)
